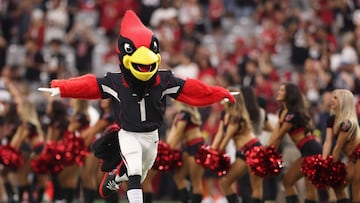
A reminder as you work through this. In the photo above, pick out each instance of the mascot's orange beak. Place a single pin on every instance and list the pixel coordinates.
(138, 48)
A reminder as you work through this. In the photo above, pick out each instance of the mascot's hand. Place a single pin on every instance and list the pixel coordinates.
(53, 90)
(231, 98)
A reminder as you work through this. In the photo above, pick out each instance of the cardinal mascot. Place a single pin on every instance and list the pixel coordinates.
(138, 95)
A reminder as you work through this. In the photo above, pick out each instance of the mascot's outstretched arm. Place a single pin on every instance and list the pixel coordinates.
(197, 93)
(82, 87)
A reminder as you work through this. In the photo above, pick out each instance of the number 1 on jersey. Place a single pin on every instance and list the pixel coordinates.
(142, 110)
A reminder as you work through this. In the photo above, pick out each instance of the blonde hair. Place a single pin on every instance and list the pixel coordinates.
(346, 110)
(238, 110)
(28, 113)
(195, 116)
(80, 106)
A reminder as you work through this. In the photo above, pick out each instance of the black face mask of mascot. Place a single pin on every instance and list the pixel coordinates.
(139, 87)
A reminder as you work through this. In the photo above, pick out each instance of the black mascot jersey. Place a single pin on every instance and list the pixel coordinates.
(140, 114)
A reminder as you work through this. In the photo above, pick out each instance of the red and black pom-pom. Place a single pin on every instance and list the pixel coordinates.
(50, 160)
(46, 164)
(264, 161)
(10, 157)
(75, 151)
(337, 173)
(324, 172)
(315, 169)
(223, 164)
(59, 154)
(176, 159)
(167, 159)
(213, 160)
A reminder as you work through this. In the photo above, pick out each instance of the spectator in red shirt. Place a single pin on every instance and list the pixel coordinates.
(111, 12)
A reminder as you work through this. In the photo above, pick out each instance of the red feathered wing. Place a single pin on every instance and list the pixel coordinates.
(83, 87)
(197, 93)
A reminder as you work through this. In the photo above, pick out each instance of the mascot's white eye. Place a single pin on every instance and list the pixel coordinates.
(128, 48)
(155, 46)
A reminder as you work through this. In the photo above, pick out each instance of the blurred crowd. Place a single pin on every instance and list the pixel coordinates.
(257, 43)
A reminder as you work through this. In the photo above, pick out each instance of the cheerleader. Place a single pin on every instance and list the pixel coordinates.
(91, 163)
(236, 125)
(9, 123)
(29, 140)
(56, 128)
(89, 169)
(294, 119)
(185, 129)
(343, 126)
(68, 178)
(261, 124)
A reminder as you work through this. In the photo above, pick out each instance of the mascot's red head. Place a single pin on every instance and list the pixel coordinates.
(138, 51)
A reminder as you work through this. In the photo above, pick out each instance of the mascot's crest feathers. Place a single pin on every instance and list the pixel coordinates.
(131, 27)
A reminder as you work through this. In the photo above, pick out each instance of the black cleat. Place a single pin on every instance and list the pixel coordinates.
(108, 184)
